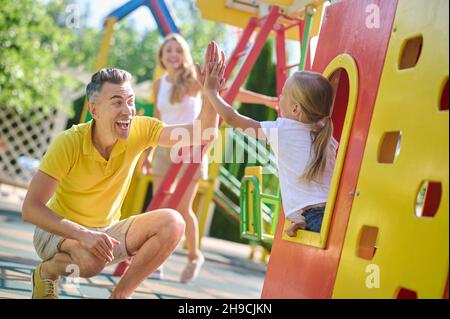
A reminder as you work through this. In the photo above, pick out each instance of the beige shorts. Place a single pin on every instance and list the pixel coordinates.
(162, 162)
(47, 245)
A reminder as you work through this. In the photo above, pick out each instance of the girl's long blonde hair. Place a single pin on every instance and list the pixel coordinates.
(314, 94)
(185, 75)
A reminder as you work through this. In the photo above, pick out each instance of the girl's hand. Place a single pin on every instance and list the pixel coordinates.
(214, 80)
(272, 102)
(201, 72)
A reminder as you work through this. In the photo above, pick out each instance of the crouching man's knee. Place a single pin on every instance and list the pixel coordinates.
(173, 226)
(91, 266)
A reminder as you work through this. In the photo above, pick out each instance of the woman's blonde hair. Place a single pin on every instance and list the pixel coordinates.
(314, 94)
(185, 75)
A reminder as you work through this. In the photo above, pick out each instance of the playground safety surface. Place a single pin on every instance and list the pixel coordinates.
(227, 272)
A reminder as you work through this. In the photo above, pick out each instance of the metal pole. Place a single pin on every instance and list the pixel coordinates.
(305, 40)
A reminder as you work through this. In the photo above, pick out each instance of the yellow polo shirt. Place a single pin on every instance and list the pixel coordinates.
(91, 189)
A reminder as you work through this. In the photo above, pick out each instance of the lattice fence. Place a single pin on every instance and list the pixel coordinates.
(27, 140)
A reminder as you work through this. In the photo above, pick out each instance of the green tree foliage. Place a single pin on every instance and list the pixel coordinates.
(31, 44)
(262, 79)
(38, 41)
(134, 52)
(84, 40)
(129, 49)
(197, 31)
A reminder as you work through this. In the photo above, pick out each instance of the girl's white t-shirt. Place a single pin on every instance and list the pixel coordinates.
(290, 141)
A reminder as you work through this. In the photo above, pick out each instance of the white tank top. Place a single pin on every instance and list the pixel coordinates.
(182, 112)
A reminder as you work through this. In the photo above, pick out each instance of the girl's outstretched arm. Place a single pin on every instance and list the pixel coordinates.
(213, 82)
(246, 96)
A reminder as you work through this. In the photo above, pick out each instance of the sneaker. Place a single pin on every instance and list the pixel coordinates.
(192, 269)
(43, 288)
(158, 273)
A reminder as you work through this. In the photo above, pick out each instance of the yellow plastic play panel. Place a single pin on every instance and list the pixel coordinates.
(410, 252)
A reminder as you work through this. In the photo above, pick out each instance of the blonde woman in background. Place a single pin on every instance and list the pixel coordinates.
(177, 101)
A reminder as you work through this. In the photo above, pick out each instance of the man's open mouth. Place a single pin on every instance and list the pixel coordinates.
(123, 124)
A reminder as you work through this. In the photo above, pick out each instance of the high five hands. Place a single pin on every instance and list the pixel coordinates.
(211, 76)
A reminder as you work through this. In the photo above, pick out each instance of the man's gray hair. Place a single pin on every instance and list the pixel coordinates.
(112, 75)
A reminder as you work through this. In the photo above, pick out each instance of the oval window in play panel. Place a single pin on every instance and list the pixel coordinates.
(341, 86)
(389, 148)
(410, 54)
(428, 199)
(367, 242)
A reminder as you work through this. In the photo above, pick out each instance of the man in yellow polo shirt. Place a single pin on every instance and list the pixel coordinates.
(76, 196)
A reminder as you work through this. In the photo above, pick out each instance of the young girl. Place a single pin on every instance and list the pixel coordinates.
(301, 139)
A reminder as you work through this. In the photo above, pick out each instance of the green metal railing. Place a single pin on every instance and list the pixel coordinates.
(305, 40)
(267, 206)
(261, 217)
